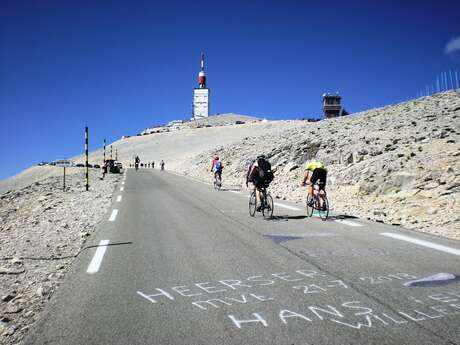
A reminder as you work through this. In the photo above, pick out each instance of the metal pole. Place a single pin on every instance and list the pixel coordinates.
(456, 78)
(63, 187)
(451, 79)
(111, 157)
(86, 157)
(445, 81)
(104, 151)
(437, 84)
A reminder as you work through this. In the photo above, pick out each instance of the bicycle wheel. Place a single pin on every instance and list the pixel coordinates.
(267, 209)
(307, 205)
(324, 211)
(252, 204)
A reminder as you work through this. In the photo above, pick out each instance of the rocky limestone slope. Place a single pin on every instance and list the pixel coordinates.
(399, 164)
(42, 229)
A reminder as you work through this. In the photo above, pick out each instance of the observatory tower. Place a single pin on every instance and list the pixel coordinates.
(332, 106)
(201, 95)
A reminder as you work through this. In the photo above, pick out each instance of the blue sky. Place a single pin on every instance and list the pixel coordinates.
(121, 66)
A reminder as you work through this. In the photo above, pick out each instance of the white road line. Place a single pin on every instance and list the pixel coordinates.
(286, 206)
(348, 222)
(122, 189)
(119, 198)
(423, 243)
(113, 216)
(234, 191)
(123, 183)
(97, 258)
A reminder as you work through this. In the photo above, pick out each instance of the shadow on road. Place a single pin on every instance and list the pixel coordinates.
(340, 216)
(108, 245)
(287, 217)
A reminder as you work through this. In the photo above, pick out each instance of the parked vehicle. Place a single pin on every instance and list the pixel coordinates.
(97, 166)
(79, 165)
(113, 166)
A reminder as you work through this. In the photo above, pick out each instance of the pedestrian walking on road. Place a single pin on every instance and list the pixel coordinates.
(162, 165)
(153, 165)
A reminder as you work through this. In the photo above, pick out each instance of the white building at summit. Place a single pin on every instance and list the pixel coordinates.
(201, 95)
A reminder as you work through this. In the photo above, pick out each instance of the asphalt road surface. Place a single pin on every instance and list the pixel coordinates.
(179, 263)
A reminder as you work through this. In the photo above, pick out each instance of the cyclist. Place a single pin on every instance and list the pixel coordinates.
(260, 174)
(216, 167)
(136, 162)
(315, 171)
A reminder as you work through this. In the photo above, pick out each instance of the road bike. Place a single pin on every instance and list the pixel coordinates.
(217, 181)
(136, 166)
(318, 202)
(266, 203)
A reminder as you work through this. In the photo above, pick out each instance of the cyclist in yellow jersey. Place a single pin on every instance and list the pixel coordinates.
(315, 173)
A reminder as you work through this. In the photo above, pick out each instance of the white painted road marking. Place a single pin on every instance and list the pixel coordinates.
(311, 234)
(423, 243)
(97, 258)
(286, 206)
(122, 189)
(234, 191)
(123, 183)
(347, 222)
(119, 198)
(113, 216)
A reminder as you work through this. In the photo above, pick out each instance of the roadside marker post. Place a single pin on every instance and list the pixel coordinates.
(86, 158)
(63, 187)
(103, 163)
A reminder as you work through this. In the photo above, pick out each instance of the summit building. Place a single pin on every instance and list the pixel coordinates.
(200, 107)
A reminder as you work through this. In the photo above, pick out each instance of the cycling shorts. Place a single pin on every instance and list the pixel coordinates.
(319, 175)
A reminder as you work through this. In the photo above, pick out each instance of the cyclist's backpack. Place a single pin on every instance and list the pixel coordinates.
(218, 166)
(265, 170)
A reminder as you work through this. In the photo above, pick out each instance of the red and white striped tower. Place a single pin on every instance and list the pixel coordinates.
(201, 95)
(202, 75)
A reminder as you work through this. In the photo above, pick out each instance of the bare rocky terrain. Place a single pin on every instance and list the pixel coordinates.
(42, 230)
(399, 164)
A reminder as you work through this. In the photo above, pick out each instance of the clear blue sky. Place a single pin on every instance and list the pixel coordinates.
(120, 66)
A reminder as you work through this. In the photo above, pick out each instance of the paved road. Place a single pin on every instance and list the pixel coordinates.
(183, 264)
